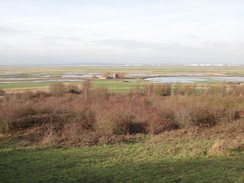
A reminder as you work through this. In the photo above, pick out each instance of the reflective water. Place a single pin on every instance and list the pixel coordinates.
(141, 74)
(194, 79)
(79, 76)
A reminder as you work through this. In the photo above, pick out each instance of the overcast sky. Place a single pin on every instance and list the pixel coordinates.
(121, 31)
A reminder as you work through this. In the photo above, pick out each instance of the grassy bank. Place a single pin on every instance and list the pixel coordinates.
(151, 160)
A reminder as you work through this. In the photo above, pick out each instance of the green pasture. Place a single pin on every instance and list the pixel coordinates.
(116, 86)
(112, 85)
(140, 162)
(23, 85)
(117, 83)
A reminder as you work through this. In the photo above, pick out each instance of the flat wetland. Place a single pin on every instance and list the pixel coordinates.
(34, 78)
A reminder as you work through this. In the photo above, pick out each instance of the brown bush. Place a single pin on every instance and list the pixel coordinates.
(107, 117)
(162, 89)
(86, 119)
(2, 92)
(119, 120)
(99, 94)
(196, 115)
(57, 89)
(71, 88)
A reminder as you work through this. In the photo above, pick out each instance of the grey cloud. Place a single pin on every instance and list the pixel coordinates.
(7, 30)
(217, 44)
(7, 46)
(77, 39)
(193, 36)
(131, 44)
(222, 44)
(50, 38)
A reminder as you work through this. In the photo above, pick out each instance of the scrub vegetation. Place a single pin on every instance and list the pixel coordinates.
(152, 109)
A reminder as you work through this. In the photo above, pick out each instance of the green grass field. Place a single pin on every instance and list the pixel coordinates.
(133, 162)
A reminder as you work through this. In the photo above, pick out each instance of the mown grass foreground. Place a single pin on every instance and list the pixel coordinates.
(139, 162)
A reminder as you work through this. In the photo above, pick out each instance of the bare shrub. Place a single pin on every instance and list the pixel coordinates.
(27, 95)
(196, 115)
(183, 119)
(202, 117)
(50, 136)
(122, 123)
(71, 88)
(236, 90)
(185, 89)
(71, 131)
(214, 90)
(148, 90)
(41, 94)
(109, 117)
(57, 89)
(239, 115)
(190, 89)
(24, 96)
(19, 115)
(135, 92)
(86, 119)
(162, 89)
(99, 94)
(159, 126)
(163, 118)
(20, 96)
(2, 92)
(25, 122)
(177, 89)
